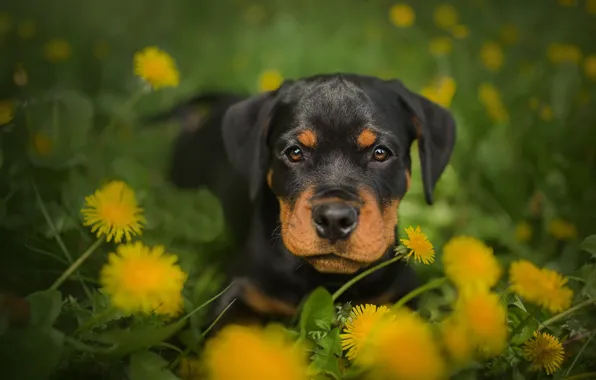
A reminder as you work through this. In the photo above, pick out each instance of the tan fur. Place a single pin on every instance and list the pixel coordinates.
(263, 303)
(308, 138)
(366, 138)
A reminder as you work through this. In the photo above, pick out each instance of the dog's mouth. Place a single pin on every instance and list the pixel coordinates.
(331, 263)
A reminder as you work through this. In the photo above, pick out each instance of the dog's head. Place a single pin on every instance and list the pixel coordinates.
(335, 151)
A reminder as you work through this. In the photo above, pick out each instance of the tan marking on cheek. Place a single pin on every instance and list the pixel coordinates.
(366, 138)
(270, 178)
(308, 138)
(297, 231)
(265, 304)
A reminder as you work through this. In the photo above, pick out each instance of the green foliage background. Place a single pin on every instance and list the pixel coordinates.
(496, 171)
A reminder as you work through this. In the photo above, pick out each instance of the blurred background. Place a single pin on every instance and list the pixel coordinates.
(520, 78)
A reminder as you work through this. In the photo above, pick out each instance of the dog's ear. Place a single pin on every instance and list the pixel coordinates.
(244, 131)
(434, 127)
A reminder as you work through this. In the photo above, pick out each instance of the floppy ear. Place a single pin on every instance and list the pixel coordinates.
(435, 130)
(244, 132)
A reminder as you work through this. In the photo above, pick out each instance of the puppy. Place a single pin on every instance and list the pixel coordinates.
(310, 177)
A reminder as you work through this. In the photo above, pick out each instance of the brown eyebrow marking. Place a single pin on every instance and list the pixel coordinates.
(308, 138)
(270, 178)
(366, 138)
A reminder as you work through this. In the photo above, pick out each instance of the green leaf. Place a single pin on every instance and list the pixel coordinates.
(526, 332)
(147, 365)
(589, 245)
(45, 307)
(127, 341)
(588, 274)
(32, 353)
(318, 307)
(327, 355)
(518, 302)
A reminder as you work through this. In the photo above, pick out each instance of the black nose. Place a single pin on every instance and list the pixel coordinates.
(335, 220)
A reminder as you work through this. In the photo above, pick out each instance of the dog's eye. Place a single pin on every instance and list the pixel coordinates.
(381, 154)
(294, 154)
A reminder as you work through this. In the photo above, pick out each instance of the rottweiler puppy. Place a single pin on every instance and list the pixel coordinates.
(310, 177)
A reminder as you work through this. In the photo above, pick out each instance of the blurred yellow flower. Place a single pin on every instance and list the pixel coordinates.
(446, 16)
(591, 6)
(559, 53)
(6, 111)
(523, 232)
(405, 336)
(255, 14)
(562, 229)
(490, 97)
(440, 46)
(456, 340)
(545, 352)
(460, 31)
(141, 279)
(101, 50)
(270, 80)
(481, 312)
(42, 144)
(441, 91)
(5, 23)
(113, 211)
(590, 66)
(57, 50)
(470, 263)
(362, 320)
(546, 113)
(567, 3)
(491, 55)
(419, 246)
(402, 15)
(156, 67)
(190, 368)
(240, 352)
(26, 29)
(20, 76)
(509, 34)
(543, 287)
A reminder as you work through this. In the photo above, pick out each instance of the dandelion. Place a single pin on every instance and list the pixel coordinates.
(441, 91)
(42, 144)
(490, 97)
(481, 312)
(561, 53)
(590, 66)
(460, 31)
(6, 111)
(440, 46)
(491, 55)
(523, 232)
(241, 352)
(57, 50)
(402, 15)
(405, 336)
(545, 352)
(509, 34)
(359, 326)
(562, 229)
(456, 341)
(27, 29)
(141, 279)
(270, 80)
(113, 211)
(446, 16)
(546, 113)
(470, 263)
(543, 287)
(156, 67)
(419, 246)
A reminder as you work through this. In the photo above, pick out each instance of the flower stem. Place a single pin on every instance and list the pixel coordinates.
(587, 375)
(567, 313)
(74, 266)
(359, 277)
(437, 282)
(125, 107)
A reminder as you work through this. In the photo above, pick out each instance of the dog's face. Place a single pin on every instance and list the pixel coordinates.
(335, 151)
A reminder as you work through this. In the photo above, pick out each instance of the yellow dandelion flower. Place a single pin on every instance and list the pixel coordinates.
(419, 246)
(156, 67)
(545, 352)
(590, 66)
(27, 29)
(546, 113)
(491, 55)
(456, 341)
(481, 312)
(240, 352)
(57, 50)
(591, 6)
(42, 144)
(440, 46)
(6, 111)
(470, 263)
(560, 53)
(441, 91)
(402, 15)
(446, 16)
(543, 287)
(270, 80)
(405, 336)
(362, 319)
(490, 97)
(113, 211)
(460, 31)
(141, 279)
(509, 34)
(567, 3)
(523, 232)
(562, 230)
(101, 50)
